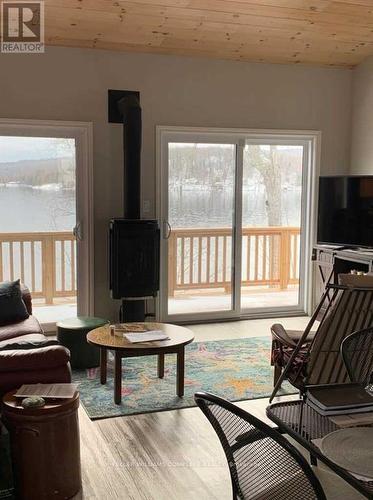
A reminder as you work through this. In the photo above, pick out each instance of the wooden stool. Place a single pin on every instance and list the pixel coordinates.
(45, 448)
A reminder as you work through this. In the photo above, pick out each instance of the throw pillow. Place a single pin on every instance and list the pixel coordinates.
(12, 307)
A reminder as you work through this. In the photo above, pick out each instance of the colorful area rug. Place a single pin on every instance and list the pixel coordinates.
(235, 369)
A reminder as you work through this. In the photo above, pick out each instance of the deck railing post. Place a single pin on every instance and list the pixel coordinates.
(172, 264)
(48, 259)
(284, 258)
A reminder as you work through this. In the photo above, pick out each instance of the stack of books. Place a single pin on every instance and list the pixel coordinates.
(339, 399)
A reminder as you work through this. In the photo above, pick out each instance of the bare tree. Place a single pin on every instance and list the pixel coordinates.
(265, 161)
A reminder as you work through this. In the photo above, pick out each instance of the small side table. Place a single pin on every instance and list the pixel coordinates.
(45, 448)
(179, 337)
(72, 334)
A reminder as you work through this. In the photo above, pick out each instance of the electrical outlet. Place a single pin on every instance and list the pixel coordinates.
(146, 207)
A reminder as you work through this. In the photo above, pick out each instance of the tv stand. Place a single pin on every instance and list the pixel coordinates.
(345, 247)
(365, 250)
(332, 261)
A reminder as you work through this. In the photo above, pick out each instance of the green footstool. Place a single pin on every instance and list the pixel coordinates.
(72, 333)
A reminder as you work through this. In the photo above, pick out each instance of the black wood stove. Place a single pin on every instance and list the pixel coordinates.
(133, 242)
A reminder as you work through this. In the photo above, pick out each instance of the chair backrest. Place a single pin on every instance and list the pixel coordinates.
(357, 354)
(349, 310)
(263, 464)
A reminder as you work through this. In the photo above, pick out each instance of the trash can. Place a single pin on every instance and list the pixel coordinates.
(45, 448)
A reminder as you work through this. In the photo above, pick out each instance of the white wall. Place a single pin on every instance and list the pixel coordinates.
(71, 84)
(362, 119)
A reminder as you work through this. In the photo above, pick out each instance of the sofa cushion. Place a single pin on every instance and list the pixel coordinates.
(29, 326)
(34, 359)
(32, 341)
(12, 307)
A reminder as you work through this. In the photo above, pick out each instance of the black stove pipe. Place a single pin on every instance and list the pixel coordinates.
(130, 110)
(129, 106)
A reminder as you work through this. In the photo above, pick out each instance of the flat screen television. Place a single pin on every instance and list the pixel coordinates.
(346, 211)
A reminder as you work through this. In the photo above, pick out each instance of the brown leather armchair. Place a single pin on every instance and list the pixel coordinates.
(27, 356)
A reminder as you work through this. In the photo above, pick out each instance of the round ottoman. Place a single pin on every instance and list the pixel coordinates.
(72, 333)
(45, 448)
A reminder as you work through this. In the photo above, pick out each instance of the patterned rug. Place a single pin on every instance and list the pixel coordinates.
(235, 369)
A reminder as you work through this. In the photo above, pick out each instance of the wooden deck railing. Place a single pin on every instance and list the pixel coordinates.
(45, 262)
(198, 258)
(201, 258)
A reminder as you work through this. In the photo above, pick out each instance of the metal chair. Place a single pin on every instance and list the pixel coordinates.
(357, 354)
(315, 359)
(263, 464)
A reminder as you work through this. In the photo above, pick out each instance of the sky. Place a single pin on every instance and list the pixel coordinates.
(34, 148)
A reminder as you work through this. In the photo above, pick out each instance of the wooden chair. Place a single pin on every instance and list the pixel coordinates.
(315, 359)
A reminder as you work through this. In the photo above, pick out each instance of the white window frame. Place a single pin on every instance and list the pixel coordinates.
(82, 132)
(311, 161)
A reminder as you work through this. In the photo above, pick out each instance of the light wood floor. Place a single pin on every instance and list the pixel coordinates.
(244, 329)
(172, 455)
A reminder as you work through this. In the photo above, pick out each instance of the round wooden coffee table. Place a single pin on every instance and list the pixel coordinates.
(179, 337)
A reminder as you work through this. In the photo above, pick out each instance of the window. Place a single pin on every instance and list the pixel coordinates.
(240, 208)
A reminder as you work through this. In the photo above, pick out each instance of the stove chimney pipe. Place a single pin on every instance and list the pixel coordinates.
(130, 110)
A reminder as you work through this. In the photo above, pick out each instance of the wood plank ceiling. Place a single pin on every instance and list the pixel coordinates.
(320, 32)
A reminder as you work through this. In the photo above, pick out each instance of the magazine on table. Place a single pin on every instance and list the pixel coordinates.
(148, 336)
(133, 327)
(53, 391)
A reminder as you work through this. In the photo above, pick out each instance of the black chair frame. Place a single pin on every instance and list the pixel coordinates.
(359, 369)
(261, 430)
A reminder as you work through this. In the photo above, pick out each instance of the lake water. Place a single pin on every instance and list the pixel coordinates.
(197, 207)
(26, 209)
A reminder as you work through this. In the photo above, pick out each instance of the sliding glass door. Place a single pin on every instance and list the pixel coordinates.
(199, 218)
(233, 206)
(271, 224)
(46, 237)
